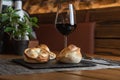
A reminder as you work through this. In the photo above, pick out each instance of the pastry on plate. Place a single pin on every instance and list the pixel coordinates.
(70, 54)
(40, 54)
(36, 55)
(52, 54)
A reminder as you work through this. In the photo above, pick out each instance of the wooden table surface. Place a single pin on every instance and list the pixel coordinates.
(101, 74)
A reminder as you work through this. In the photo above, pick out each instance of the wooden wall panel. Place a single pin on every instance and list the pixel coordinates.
(108, 43)
(106, 14)
(107, 51)
(108, 31)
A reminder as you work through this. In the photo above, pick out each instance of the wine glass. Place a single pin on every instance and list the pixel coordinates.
(65, 21)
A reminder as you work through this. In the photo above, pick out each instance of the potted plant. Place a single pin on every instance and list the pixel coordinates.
(19, 29)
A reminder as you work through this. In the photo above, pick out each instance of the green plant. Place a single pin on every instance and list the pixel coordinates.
(16, 27)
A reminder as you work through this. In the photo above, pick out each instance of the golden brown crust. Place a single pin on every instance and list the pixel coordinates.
(29, 60)
(43, 46)
(33, 56)
(43, 56)
(70, 54)
(32, 52)
(40, 54)
(52, 55)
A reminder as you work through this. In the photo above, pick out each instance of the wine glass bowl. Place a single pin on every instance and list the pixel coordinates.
(65, 21)
(65, 29)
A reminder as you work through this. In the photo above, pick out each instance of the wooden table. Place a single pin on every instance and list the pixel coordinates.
(102, 74)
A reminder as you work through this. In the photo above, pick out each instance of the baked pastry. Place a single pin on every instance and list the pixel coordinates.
(43, 46)
(36, 55)
(70, 54)
(52, 54)
(43, 56)
(32, 52)
(40, 54)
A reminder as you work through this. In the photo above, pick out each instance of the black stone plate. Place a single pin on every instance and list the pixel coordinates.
(53, 64)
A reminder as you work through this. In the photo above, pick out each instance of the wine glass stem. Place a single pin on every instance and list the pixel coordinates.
(65, 41)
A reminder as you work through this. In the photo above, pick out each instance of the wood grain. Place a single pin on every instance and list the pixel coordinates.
(45, 76)
(99, 74)
(108, 43)
(105, 14)
(108, 30)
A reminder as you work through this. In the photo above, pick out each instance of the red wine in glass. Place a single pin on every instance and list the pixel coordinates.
(65, 29)
(65, 21)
